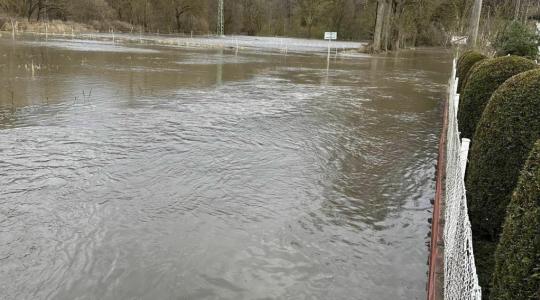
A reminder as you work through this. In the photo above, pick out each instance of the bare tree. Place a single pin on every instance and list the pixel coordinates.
(310, 13)
(377, 36)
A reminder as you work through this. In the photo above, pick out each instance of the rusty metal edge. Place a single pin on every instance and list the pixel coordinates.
(435, 284)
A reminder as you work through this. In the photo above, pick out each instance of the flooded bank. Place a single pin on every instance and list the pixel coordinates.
(146, 172)
(283, 45)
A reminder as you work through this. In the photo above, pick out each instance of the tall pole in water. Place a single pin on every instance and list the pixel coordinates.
(220, 25)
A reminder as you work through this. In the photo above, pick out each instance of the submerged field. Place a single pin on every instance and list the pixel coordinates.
(131, 171)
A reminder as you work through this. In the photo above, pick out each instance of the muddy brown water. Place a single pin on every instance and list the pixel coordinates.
(156, 173)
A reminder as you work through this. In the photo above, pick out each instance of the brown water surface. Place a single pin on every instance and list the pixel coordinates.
(130, 172)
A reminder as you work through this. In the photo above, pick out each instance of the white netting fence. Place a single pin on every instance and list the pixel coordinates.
(460, 279)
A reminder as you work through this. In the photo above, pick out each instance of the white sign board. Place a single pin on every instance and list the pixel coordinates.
(459, 40)
(330, 35)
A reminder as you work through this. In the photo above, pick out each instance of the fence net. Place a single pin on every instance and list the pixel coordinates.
(460, 278)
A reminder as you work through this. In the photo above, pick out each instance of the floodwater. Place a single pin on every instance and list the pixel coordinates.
(133, 172)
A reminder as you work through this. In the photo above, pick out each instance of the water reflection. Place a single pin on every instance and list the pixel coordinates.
(209, 175)
(219, 68)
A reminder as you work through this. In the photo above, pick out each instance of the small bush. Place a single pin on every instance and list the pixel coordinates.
(517, 260)
(517, 39)
(505, 135)
(483, 80)
(465, 63)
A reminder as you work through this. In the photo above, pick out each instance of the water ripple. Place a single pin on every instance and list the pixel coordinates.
(276, 183)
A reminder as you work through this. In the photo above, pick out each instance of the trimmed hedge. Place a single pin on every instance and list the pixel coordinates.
(463, 83)
(465, 63)
(484, 79)
(506, 133)
(517, 260)
(485, 263)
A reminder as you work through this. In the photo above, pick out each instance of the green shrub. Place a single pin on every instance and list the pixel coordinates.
(506, 133)
(465, 63)
(517, 260)
(517, 39)
(483, 80)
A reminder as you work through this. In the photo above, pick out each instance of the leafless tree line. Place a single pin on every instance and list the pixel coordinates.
(391, 24)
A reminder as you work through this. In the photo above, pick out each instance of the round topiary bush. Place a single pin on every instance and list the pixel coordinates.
(517, 260)
(483, 80)
(465, 63)
(506, 133)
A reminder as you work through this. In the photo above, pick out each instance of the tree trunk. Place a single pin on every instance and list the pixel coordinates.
(475, 22)
(379, 22)
(177, 15)
(40, 8)
(387, 24)
(396, 25)
(309, 23)
(518, 10)
(397, 44)
(526, 12)
(145, 22)
(30, 9)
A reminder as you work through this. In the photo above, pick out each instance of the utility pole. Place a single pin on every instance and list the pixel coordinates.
(220, 26)
(475, 22)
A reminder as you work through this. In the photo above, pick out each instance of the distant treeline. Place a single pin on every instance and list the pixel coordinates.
(420, 22)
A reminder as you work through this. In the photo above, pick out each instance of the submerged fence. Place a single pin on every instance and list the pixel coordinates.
(452, 246)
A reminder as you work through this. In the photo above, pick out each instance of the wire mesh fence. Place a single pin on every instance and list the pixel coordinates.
(460, 278)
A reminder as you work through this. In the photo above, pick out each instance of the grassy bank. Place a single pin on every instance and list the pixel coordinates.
(11, 24)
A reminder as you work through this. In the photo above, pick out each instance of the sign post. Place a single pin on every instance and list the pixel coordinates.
(329, 36)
